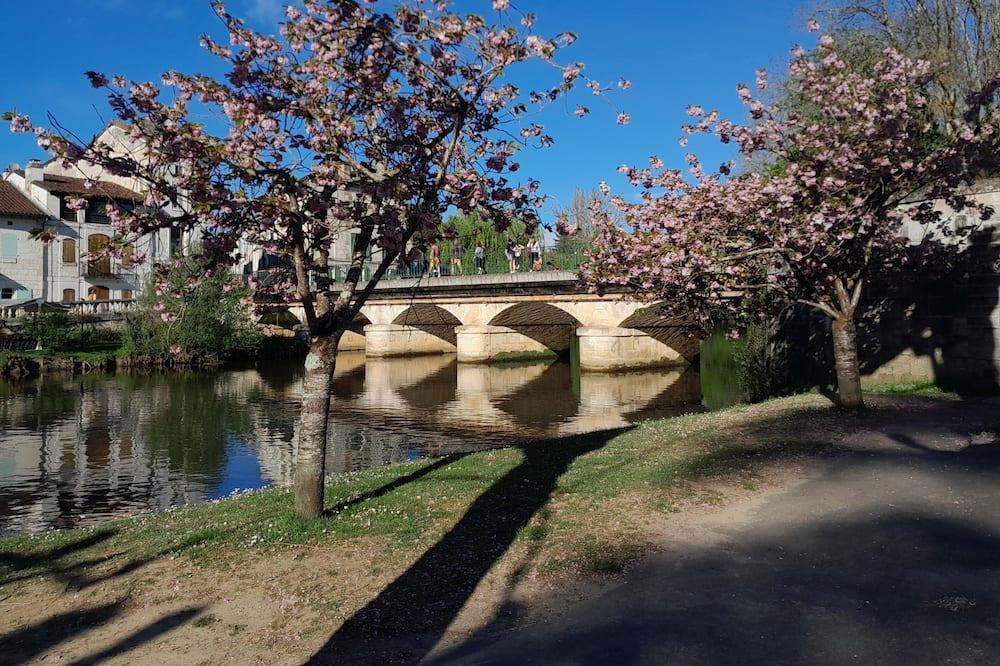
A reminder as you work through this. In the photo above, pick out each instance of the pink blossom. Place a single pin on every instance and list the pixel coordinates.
(812, 24)
(19, 124)
(175, 349)
(624, 119)
(168, 317)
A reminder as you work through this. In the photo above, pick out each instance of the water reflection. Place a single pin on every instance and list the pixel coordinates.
(78, 450)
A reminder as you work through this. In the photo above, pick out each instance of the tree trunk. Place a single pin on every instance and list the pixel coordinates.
(310, 459)
(845, 357)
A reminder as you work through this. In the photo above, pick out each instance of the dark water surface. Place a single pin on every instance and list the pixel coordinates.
(80, 450)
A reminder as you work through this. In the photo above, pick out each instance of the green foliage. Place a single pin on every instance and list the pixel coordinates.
(62, 332)
(470, 229)
(208, 322)
(753, 359)
(740, 370)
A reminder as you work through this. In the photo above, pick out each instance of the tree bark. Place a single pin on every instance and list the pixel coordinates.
(845, 357)
(310, 458)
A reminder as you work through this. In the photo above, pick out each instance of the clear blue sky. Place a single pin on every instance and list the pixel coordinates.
(675, 52)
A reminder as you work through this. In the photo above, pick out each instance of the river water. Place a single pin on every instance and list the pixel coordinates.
(78, 450)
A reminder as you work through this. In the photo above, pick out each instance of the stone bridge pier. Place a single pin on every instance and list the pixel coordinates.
(526, 316)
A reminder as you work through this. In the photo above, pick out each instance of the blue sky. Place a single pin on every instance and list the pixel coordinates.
(675, 52)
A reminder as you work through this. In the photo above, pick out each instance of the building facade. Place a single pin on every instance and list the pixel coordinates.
(34, 200)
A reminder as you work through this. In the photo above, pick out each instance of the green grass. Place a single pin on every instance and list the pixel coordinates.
(916, 389)
(93, 353)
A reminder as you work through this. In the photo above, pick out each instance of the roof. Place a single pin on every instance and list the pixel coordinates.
(78, 186)
(15, 204)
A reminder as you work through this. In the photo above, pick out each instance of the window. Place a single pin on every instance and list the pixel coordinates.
(69, 251)
(97, 211)
(101, 266)
(175, 242)
(128, 256)
(8, 247)
(6, 293)
(65, 212)
(98, 293)
(126, 294)
(69, 295)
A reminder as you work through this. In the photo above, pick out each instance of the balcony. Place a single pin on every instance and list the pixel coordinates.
(104, 269)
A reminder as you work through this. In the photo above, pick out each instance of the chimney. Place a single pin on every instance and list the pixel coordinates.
(32, 172)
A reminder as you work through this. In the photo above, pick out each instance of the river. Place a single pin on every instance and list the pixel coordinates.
(78, 450)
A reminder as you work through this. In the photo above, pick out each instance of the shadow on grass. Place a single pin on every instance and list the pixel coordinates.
(418, 606)
(76, 575)
(394, 484)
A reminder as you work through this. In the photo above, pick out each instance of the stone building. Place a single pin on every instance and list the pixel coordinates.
(34, 200)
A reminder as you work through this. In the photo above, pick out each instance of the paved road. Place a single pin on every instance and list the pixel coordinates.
(887, 552)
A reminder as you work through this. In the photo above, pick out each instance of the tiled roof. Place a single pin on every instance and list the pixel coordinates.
(15, 204)
(67, 185)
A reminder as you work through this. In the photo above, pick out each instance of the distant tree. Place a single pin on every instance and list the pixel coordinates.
(577, 229)
(469, 229)
(960, 38)
(358, 115)
(827, 216)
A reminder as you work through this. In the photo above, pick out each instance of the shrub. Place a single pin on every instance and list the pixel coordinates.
(210, 321)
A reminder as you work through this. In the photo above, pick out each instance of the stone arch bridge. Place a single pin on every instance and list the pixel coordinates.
(519, 316)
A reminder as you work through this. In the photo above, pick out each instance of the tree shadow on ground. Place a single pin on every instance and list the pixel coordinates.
(27, 643)
(858, 580)
(78, 574)
(410, 615)
(395, 483)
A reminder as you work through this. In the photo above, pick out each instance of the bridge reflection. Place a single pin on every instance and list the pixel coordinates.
(491, 404)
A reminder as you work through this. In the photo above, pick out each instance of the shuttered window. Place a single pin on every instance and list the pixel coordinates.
(69, 251)
(8, 246)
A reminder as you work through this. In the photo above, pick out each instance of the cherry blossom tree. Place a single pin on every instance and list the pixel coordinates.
(831, 209)
(355, 117)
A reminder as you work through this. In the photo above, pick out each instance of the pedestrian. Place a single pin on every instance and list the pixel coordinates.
(480, 258)
(509, 252)
(518, 251)
(435, 259)
(457, 251)
(535, 254)
(417, 264)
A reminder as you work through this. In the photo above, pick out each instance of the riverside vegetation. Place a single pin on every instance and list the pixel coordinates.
(210, 325)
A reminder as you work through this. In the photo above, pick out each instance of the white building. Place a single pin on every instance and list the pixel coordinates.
(33, 200)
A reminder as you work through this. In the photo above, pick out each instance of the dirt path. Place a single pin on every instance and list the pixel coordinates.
(886, 551)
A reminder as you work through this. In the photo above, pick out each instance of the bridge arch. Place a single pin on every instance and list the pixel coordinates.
(431, 319)
(544, 323)
(675, 332)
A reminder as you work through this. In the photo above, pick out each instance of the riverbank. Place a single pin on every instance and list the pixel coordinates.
(113, 357)
(431, 549)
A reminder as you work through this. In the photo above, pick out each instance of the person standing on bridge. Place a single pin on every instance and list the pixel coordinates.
(480, 258)
(435, 260)
(457, 251)
(534, 254)
(511, 256)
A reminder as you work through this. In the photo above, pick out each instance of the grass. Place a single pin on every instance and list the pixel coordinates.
(915, 389)
(579, 524)
(93, 353)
